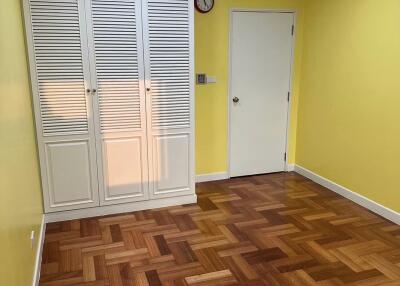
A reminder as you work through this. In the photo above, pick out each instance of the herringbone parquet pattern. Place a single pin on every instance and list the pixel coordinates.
(278, 229)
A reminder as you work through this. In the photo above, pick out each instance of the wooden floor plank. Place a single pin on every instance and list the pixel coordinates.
(277, 229)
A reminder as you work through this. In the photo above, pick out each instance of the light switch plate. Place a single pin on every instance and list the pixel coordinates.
(211, 79)
(201, 78)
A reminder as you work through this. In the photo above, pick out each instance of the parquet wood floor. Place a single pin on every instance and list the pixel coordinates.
(278, 229)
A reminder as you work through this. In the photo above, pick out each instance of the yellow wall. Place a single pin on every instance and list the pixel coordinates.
(348, 119)
(20, 195)
(212, 57)
(349, 109)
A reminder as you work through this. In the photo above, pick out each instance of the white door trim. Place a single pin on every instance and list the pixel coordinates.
(232, 10)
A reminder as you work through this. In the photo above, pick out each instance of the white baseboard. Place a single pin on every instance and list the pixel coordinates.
(39, 252)
(211, 177)
(355, 197)
(120, 208)
(290, 167)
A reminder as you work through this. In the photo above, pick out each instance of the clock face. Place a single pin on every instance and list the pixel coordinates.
(204, 6)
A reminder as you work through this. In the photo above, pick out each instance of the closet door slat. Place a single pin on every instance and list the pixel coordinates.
(169, 45)
(116, 64)
(59, 63)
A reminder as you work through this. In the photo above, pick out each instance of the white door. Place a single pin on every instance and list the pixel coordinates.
(168, 34)
(57, 44)
(116, 51)
(261, 50)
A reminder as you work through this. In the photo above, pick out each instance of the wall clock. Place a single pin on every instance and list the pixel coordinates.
(204, 6)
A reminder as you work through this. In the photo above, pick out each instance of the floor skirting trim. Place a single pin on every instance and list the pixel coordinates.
(355, 197)
(211, 177)
(39, 251)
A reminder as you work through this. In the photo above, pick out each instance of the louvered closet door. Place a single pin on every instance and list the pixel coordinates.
(59, 65)
(115, 43)
(169, 73)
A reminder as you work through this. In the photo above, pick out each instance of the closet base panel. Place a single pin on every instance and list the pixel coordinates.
(120, 208)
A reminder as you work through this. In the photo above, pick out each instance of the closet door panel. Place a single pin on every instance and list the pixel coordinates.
(70, 173)
(60, 76)
(171, 174)
(123, 167)
(169, 73)
(118, 74)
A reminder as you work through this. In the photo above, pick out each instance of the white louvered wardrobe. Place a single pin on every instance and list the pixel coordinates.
(113, 92)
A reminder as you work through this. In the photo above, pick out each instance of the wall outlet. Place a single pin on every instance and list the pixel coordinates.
(32, 238)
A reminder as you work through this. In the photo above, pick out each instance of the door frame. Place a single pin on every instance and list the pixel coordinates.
(291, 79)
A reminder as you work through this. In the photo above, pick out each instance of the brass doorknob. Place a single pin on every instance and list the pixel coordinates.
(235, 99)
